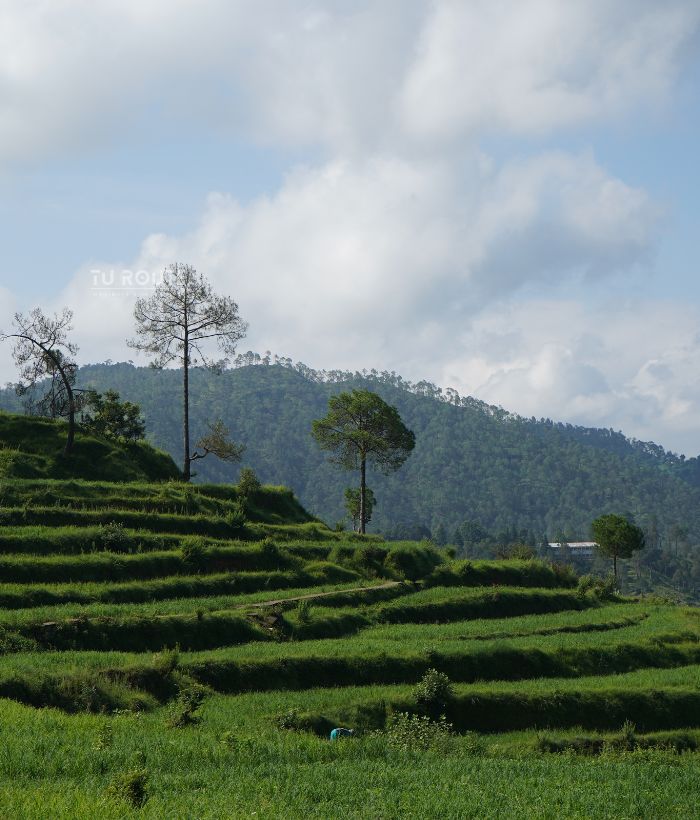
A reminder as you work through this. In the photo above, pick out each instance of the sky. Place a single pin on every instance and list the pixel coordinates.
(500, 196)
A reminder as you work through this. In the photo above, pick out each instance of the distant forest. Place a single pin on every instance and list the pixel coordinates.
(478, 472)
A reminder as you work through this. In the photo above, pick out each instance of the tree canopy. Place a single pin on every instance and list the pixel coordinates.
(617, 537)
(44, 355)
(360, 427)
(178, 323)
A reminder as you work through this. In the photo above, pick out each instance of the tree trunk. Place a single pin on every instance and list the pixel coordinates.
(68, 449)
(615, 566)
(363, 486)
(186, 407)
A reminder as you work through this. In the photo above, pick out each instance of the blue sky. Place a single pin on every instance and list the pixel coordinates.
(499, 196)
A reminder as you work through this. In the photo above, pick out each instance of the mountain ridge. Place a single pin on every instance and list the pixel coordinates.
(473, 462)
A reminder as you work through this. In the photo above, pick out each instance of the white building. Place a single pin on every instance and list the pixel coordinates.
(577, 549)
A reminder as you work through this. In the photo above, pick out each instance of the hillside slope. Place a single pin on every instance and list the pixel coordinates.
(196, 645)
(472, 462)
(33, 448)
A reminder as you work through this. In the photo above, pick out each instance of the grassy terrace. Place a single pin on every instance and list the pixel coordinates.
(286, 623)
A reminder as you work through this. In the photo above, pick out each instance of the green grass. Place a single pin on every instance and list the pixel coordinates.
(33, 448)
(262, 772)
(89, 608)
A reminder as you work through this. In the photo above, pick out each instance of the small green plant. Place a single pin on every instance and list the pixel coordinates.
(105, 737)
(417, 733)
(248, 484)
(434, 692)
(183, 710)
(194, 553)
(628, 735)
(304, 611)
(167, 661)
(131, 787)
(237, 517)
(604, 589)
(112, 536)
(291, 719)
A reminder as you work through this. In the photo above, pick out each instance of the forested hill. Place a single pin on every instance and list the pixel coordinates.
(473, 463)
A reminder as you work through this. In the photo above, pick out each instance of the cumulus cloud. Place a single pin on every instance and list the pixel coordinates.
(633, 366)
(342, 76)
(533, 66)
(386, 260)
(404, 246)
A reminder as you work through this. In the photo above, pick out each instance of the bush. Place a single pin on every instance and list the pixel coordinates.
(183, 710)
(412, 562)
(194, 553)
(112, 536)
(565, 575)
(131, 787)
(434, 692)
(304, 611)
(417, 733)
(604, 589)
(248, 484)
(370, 557)
(237, 517)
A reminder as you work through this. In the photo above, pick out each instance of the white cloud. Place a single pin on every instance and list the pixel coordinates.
(78, 75)
(386, 263)
(386, 260)
(529, 67)
(405, 247)
(631, 366)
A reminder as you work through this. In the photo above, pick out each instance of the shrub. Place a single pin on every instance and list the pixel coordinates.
(167, 661)
(565, 575)
(194, 553)
(370, 557)
(112, 536)
(434, 692)
(237, 517)
(604, 589)
(248, 484)
(304, 611)
(413, 562)
(183, 710)
(417, 733)
(131, 787)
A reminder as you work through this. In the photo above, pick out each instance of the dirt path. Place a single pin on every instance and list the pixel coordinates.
(258, 604)
(313, 595)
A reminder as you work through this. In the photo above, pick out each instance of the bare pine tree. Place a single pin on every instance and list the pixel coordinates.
(42, 351)
(178, 322)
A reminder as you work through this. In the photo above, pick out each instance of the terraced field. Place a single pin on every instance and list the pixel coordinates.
(178, 651)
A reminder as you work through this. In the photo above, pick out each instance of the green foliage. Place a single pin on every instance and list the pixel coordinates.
(361, 428)
(617, 537)
(418, 733)
(112, 536)
(194, 553)
(183, 711)
(412, 562)
(131, 787)
(33, 448)
(352, 504)
(604, 589)
(105, 415)
(248, 485)
(304, 611)
(434, 692)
